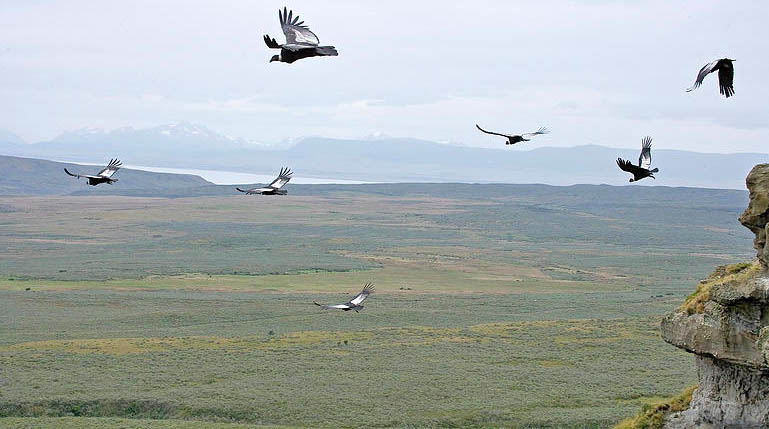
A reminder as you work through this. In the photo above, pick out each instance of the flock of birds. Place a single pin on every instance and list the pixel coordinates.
(303, 43)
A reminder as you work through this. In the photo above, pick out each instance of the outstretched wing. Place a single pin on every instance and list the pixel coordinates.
(726, 78)
(249, 191)
(701, 75)
(628, 166)
(81, 175)
(645, 159)
(490, 132)
(71, 174)
(541, 130)
(111, 168)
(368, 289)
(257, 191)
(283, 178)
(295, 32)
(332, 307)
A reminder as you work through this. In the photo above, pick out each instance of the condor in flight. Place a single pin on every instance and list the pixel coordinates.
(641, 170)
(513, 139)
(300, 41)
(274, 187)
(354, 304)
(725, 76)
(104, 176)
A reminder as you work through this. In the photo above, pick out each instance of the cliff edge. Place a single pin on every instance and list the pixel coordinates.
(725, 323)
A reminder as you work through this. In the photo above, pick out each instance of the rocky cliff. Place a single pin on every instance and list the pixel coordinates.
(725, 323)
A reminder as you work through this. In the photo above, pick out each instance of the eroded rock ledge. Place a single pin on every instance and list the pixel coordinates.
(726, 324)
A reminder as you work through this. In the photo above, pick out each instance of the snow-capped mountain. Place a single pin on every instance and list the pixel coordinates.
(159, 136)
(381, 159)
(182, 144)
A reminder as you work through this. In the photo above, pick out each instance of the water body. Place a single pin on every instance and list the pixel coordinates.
(234, 178)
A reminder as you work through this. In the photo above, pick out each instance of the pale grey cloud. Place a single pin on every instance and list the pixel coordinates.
(601, 72)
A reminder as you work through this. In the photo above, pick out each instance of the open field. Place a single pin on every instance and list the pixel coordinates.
(492, 308)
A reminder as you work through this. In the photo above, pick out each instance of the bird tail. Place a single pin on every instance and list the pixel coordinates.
(329, 51)
(656, 170)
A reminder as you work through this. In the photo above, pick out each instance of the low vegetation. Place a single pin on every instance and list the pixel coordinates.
(146, 312)
(652, 414)
(119, 423)
(724, 274)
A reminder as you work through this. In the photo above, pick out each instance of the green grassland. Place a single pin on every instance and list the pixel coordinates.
(495, 306)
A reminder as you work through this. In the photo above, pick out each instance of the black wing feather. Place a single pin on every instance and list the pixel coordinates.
(271, 42)
(726, 79)
(628, 166)
(490, 132)
(71, 174)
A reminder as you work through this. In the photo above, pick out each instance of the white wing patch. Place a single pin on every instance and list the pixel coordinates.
(107, 172)
(646, 162)
(294, 30)
(303, 36)
(358, 299)
(704, 71)
(645, 159)
(339, 306)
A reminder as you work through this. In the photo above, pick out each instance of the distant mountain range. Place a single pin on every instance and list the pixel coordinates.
(193, 146)
(27, 176)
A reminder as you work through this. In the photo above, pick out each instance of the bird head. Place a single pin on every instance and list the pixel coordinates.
(275, 58)
(632, 179)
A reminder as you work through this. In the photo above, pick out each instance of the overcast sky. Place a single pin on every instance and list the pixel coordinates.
(595, 72)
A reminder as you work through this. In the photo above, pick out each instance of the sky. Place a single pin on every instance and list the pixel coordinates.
(594, 72)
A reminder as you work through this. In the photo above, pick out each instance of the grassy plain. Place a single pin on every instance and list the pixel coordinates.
(516, 308)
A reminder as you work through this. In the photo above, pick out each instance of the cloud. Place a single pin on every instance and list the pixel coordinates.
(595, 72)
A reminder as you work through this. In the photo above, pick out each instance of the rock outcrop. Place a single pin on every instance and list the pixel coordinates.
(726, 325)
(756, 216)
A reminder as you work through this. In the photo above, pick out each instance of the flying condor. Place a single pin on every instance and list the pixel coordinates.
(725, 76)
(274, 187)
(104, 176)
(356, 303)
(300, 41)
(513, 139)
(641, 170)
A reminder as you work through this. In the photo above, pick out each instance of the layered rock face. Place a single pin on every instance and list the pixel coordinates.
(756, 216)
(726, 325)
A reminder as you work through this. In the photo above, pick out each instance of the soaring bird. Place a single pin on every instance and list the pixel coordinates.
(725, 76)
(641, 170)
(300, 41)
(516, 138)
(354, 304)
(274, 187)
(104, 176)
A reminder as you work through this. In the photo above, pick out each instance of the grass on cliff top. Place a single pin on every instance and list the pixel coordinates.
(652, 415)
(695, 303)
